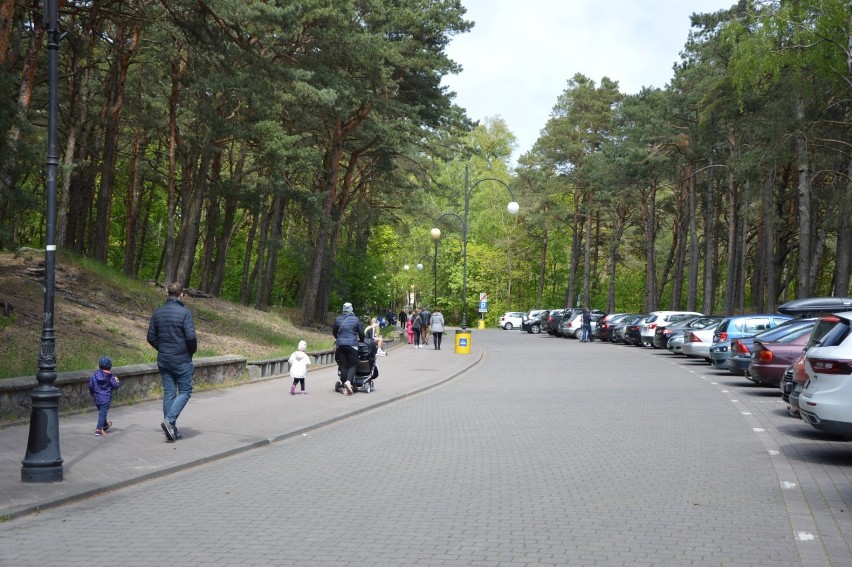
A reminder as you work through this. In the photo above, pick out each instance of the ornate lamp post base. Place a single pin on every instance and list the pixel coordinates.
(43, 462)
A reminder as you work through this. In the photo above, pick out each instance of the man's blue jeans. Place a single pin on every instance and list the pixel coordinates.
(177, 388)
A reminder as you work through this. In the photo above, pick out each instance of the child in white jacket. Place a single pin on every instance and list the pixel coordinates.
(298, 363)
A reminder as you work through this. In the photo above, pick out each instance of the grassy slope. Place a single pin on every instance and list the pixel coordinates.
(98, 312)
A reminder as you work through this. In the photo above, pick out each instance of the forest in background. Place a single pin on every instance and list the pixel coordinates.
(298, 154)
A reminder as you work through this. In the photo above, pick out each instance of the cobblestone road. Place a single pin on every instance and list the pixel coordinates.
(550, 452)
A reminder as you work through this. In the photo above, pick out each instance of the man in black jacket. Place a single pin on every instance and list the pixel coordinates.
(172, 333)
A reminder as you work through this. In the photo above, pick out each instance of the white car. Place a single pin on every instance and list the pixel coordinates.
(511, 320)
(661, 319)
(697, 343)
(826, 400)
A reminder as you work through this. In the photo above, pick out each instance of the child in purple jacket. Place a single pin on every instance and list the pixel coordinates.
(101, 385)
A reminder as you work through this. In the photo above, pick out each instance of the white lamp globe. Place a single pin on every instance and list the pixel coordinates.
(513, 208)
(436, 233)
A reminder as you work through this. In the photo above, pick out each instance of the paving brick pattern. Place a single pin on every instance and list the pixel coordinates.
(548, 452)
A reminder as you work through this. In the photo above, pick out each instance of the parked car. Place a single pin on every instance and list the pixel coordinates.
(718, 355)
(618, 329)
(741, 348)
(661, 319)
(770, 358)
(553, 320)
(573, 326)
(698, 342)
(603, 330)
(533, 324)
(826, 400)
(740, 326)
(633, 331)
(511, 320)
(798, 376)
(675, 344)
(664, 333)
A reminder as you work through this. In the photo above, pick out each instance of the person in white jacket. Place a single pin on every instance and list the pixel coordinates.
(436, 323)
(298, 363)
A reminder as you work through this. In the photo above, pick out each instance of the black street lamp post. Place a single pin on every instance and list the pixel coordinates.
(513, 209)
(43, 462)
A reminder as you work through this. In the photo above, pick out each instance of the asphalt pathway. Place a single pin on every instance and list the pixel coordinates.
(547, 452)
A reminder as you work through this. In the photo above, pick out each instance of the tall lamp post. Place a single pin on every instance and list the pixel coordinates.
(513, 207)
(43, 462)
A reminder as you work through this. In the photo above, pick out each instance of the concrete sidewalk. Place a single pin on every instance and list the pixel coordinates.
(214, 424)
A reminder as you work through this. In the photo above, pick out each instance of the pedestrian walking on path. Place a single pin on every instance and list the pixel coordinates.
(425, 316)
(172, 333)
(416, 325)
(436, 322)
(298, 363)
(101, 385)
(347, 331)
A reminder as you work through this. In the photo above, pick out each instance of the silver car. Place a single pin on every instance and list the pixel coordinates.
(697, 343)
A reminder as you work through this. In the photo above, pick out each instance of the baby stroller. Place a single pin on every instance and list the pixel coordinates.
(365, 372)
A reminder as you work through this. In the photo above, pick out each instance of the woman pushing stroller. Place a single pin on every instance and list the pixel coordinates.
(347, 331)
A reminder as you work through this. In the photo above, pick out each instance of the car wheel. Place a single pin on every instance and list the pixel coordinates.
(535, 329)
(577, 333)
(508, 326)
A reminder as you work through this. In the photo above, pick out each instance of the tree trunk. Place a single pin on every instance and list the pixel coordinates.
(256, 279)
(649, 224)
(178, 68)
(618, 226)
(226, 235)
(542, 268)
(245, 292)
(587, 255)
(115, 101)
(134, 203)
(694, 249)
(804, 284)
(10, 172)
(78, 111)
(191, 218)
(733, 240)
(709, 246)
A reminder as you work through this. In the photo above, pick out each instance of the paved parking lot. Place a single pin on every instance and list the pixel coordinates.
(548, 452)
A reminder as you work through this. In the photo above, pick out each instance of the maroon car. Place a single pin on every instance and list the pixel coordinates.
(770, 359)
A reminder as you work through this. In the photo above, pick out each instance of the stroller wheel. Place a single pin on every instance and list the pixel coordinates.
(368, 387)
(338, 387)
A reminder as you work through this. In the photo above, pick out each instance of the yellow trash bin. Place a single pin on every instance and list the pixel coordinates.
(481, 324)
(462, 342)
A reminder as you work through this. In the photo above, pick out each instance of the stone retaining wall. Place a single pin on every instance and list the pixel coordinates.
(142, 382)
(138, 382)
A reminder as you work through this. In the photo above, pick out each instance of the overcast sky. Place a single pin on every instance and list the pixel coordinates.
(518, 57)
